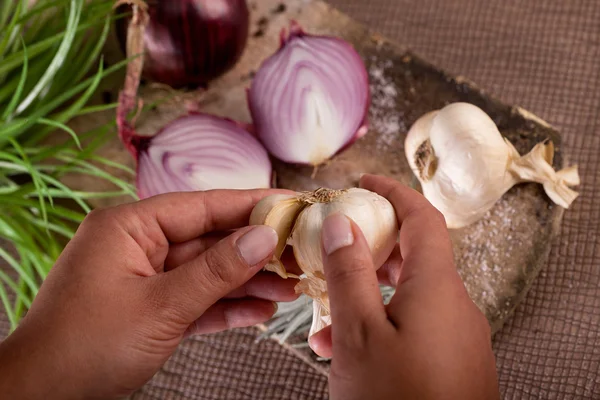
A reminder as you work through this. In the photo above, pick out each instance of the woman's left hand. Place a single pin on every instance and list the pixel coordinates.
(132, 283)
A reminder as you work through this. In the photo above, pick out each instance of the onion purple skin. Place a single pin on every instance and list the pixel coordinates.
(262, 120)
(191, 42)
(251, 159)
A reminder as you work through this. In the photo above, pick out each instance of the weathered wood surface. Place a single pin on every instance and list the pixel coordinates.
(499, 256)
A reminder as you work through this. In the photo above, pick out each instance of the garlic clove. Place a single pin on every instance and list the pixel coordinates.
(278, 211)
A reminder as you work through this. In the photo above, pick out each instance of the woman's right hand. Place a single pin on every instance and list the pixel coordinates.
(430, 341)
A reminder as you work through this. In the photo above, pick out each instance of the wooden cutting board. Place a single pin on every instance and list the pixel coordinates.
(497, 257)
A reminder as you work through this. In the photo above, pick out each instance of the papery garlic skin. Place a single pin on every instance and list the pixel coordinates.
(278, 211)
(465, 165)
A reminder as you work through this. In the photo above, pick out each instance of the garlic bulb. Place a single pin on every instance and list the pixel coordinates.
(465, 165)
(298, 220)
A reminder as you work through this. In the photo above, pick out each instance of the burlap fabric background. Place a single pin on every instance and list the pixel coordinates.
(545, 56)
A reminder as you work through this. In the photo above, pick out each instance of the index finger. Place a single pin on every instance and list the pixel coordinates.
(424, 238)
(184, 216)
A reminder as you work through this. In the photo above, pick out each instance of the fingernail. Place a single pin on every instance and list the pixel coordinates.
(336, 233)
(257, 244)
(275, 307)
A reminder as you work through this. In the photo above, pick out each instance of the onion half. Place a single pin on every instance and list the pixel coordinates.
(199, 152)
(310, 99)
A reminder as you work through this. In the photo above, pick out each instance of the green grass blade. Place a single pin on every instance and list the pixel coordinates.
(10, 30)
(32, 243)
(35, 68)
(12, 166)
(20, 234)
(15, 59)
(14, 264)
(91, 57)
(62, 126)
(19, 290)
(8, 308)
(60, 194)
(7, 185)
(4, 14)
(85, 97)
(59, 58)
(94, 138)
(90, 169)
(55, 227)
(74, 108)
(112, 164)
(18, 126)
(17, 96)
(19, 303)
(13, 43)
(37, 182)
(98, 108)
(17, 203)
(66, 191)
(38, 260)
(40, 8)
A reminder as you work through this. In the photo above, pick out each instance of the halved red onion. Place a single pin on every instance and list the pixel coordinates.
(310, 99)
(199, 152)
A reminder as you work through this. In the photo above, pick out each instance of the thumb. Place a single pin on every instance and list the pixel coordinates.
(354, 296)
(198, 284)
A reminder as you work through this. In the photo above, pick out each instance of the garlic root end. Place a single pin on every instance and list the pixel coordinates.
(426, 160)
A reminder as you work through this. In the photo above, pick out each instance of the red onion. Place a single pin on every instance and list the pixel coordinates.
(310, 99)
(198, 152)
(194, 152)
(189, 42)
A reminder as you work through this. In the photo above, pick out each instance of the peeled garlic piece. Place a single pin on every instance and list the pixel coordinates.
(279, 211)
(465, 165)
(374, 215)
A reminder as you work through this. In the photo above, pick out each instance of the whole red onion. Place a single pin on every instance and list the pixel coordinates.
(190, 42)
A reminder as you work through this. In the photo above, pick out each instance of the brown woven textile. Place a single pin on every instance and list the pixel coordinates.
(543, 55)
(232, 366)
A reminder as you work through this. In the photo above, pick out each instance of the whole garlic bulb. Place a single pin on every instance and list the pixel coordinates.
(465, 165)
(298, 220)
